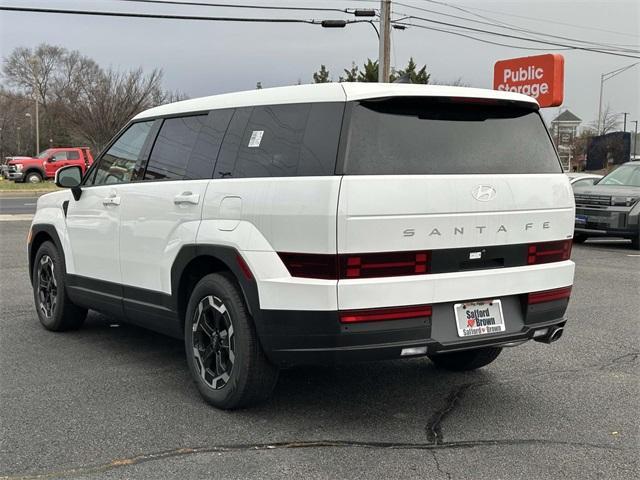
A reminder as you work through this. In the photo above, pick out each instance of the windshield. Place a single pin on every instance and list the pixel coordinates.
(409, 136)
(627, 175)
(44, 154)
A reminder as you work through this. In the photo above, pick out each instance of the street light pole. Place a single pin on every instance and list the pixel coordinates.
(384, 47)
(603, 78)
(28, 115)
(37, 128)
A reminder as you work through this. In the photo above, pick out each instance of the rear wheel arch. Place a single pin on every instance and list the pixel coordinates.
(194, 262)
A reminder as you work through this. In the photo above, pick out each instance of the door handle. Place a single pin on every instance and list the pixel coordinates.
(111, 200)
(186, 197)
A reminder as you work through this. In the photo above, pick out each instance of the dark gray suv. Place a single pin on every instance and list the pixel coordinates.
(611, 207)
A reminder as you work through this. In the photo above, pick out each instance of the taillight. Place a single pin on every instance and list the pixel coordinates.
(547, 252)
(354, 265)
(388, 264)
(548, 295)
(382, 314)
(310, 265)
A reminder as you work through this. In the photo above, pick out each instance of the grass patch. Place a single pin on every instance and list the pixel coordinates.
(10, 186)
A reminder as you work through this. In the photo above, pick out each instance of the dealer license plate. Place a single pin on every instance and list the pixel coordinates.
(581, 219)
(479, 318)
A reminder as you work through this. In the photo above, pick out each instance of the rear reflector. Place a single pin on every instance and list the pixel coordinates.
(381, 314)
(548, 252)
(354, 265)
(548, 295)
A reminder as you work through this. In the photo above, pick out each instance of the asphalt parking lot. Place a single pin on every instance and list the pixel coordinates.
(115, 401)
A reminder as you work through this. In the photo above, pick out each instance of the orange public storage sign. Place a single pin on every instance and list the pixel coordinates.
(540, 76)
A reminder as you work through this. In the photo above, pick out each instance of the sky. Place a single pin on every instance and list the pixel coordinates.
(207, 58)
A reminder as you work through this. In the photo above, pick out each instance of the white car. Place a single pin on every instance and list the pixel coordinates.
(316, 224)
(583, 179)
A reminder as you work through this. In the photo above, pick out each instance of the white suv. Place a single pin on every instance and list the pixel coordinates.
(316, 224)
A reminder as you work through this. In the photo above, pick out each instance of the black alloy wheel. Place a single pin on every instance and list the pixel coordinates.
(213, 342)
(47, 287)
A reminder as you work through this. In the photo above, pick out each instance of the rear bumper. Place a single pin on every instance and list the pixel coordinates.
(317, 337)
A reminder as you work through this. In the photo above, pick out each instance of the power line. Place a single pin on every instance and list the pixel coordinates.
(169, 17)
(543, 20)
(516, 37)
(483, 40)
(257, 7)
(508, 26)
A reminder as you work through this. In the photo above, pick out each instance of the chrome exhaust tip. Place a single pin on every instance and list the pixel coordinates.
(549, 336)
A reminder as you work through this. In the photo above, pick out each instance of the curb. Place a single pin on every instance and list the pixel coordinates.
(24, 193)
(19, 217)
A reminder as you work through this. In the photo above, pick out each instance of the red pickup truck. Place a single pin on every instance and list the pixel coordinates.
(45, 165)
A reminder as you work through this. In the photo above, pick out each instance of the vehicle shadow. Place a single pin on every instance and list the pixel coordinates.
(390, 401)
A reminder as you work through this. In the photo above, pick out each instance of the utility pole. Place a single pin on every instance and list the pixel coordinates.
(624, 128)
(385, 41)
(635, 139)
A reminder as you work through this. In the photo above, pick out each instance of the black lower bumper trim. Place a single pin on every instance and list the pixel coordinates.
(313, 337)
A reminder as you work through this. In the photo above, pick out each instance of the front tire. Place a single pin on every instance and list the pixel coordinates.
(55, 311)
(635, 242)
(224, 355)
(467, 359)
(33, 177)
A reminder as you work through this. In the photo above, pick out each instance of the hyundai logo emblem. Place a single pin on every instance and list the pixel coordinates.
(483, 193)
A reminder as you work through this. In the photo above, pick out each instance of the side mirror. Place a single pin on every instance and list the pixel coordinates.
(70, 177)
(51, 159)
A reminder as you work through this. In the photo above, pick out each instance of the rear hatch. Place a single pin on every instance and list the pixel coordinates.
(446, 176)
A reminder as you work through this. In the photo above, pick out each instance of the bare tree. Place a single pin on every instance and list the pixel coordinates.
(106, 100)
(609, 121)
(82, 103)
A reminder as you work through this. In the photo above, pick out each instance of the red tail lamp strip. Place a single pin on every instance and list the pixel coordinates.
(382, 314)
(548, 295)
(548, 252)
(351, 266)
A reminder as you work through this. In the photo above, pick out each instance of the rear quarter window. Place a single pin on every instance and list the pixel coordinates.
(408, 136)
(282, 141)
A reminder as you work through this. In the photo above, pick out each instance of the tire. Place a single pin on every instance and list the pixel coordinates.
(635, 242)
(579, 238)
(466, 360)
(224, 355)
(55, 311)
(33, 177)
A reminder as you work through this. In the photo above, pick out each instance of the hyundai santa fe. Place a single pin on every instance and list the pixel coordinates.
(316, 224)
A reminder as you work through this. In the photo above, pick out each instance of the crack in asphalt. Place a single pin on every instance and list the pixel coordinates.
(434, 425)
(434, 433)
(178, 452)
(438, 467)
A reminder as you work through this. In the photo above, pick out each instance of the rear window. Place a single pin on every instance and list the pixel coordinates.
(409, 136)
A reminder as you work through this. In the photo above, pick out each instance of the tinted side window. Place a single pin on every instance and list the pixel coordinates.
(272, 141)
(205, 151)
(170, 155)
(321, 138)
(116, 166)
(231, 144)
(73, 155)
